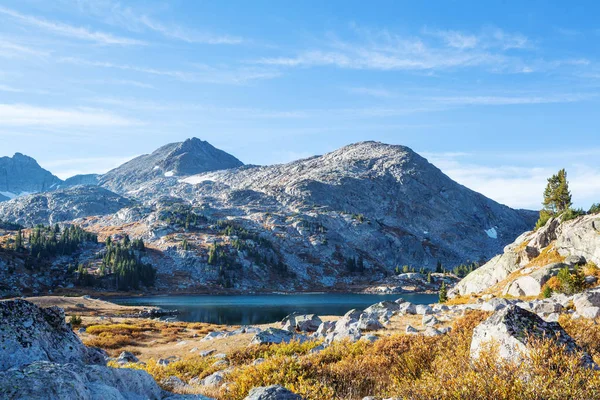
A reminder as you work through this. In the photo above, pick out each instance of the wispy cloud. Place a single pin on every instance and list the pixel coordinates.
(70, 31)
(10, 89)
(9, 49)
(512, 100)
(200, 74)
(136, 21)
(36, 116)
(187, 35)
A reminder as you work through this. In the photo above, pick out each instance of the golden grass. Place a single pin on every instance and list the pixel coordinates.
(548, 255)
(403, 366)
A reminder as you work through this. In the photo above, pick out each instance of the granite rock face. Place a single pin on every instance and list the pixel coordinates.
(576, 241)
(41, 358)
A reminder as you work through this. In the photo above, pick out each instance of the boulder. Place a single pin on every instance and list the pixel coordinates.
(430, 320)
(274, 392)
(301, 322)
(422, 309)
(43, 359)
(575, 260)
(383, 309)
(494, 304)
(29, 333)
(325, 328)
(512, 328)
(346, 328)
(587, 304)
(407, 308)
(411, 330)
(275, 336)
(214, 380)
(127, 357)
(368, 322)
(431, 331)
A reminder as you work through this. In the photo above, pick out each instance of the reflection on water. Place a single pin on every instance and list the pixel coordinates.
(262, 309)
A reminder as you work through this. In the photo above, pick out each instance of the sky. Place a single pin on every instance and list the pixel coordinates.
(498, 94)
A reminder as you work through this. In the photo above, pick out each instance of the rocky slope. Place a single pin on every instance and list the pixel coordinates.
(21, 174)
(61, 205)
(190, 157)
(534, 257)
(41, 358)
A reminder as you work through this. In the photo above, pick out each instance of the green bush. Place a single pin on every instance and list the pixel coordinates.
(594, 209)
(571, 213)
(544, 217)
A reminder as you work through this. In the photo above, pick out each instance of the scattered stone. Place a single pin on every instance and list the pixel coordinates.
(214, 380)
(369, 323)
(274, 392)
(370, 338)
(430, 320)
(173, 383)
(431, 331)
(206, 353)
(411, 330)
(325, 328)
(423, 309)
(127, 357)
(407, 308)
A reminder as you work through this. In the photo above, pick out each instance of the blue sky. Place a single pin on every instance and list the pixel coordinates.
(499, 95)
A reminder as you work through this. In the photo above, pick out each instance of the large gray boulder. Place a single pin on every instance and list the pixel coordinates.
(512, 328)
(301, 322)
(347, 328)
(41, 358)
(531, 285)
(29, 333)
(274, 392)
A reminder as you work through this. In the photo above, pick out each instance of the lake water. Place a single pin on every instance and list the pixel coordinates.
(263, 309)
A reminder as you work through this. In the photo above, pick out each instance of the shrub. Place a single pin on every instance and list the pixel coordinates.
(571, 213)
(75, 321)
(594, 209)
(570, 283)
(546, 292)
(544, 217)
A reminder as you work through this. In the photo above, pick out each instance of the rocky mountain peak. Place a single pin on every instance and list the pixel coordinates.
(22, 174)
(192, 156)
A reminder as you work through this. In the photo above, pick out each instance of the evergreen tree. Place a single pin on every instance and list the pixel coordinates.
(429, 277)
(557, 197)
(439, 268)
(443, 293)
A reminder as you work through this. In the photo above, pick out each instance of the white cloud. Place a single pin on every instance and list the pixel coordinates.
(90, 165)
(512, 100)
(10, 89)
(28, 115)
(519, 186)
(66, 30)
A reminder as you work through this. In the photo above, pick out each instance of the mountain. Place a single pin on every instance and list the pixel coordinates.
(61, 205)
(350, 216)
(21, 174)
(534, 257)
(190, 157)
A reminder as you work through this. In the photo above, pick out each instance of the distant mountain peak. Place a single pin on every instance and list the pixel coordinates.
(190, 157)
(21, 174)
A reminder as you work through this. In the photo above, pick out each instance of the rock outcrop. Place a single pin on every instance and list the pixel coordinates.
(571, 242)
(512, 328)
(41, 358)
